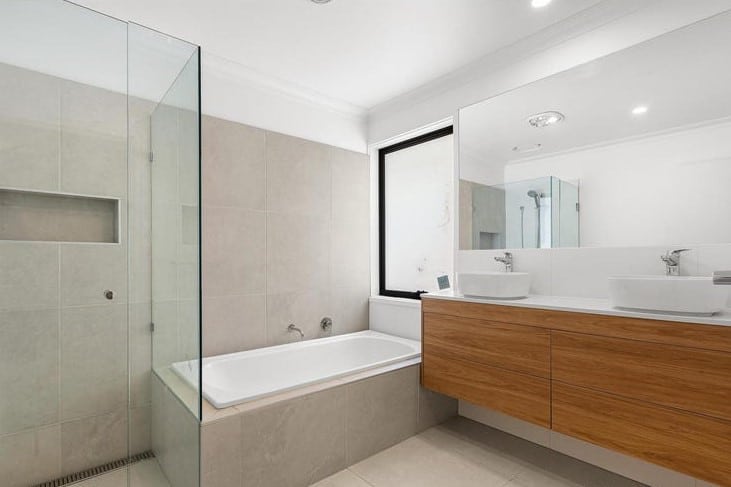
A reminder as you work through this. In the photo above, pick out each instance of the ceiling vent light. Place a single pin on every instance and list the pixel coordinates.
(540, 120)
(639, 110)
(539, 3)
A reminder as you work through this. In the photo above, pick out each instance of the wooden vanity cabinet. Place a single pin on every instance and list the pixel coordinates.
(656, 390)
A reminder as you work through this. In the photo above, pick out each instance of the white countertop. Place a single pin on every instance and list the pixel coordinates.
(584, 305)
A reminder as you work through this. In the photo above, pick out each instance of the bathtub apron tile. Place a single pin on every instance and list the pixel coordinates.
(381, 411)
(294, 443)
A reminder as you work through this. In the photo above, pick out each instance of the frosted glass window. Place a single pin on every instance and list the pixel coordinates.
(417, 195)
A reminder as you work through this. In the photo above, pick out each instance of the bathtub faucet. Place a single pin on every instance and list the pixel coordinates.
(292, 328)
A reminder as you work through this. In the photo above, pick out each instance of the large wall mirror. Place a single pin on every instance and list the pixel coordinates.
(633, 149)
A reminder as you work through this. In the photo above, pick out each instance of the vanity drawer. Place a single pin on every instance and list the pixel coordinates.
(524, 396)
(684, 378)
(696, 445)
(519, 348)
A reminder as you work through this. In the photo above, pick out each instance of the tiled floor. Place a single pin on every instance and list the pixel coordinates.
(462, 453)
(146, 473)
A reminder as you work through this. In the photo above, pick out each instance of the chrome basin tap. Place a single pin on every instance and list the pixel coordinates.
(672, 261)
(507, 260)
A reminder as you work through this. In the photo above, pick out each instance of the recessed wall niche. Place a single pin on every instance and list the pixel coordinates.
(54, 217)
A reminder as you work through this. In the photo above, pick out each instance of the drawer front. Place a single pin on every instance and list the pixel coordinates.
(709, 337)
(522, 396)
(696, 445)
(514, 347)
(684, 378)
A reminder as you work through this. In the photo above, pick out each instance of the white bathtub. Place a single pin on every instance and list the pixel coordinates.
(245, 376)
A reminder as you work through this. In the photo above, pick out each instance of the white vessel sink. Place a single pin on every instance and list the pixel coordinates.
(496, 285)
(668, 294)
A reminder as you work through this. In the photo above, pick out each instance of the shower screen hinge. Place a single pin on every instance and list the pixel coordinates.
(152, 156)
(577, 206)
(152, 327)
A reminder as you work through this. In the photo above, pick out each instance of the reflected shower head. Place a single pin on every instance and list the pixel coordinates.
(536, 197)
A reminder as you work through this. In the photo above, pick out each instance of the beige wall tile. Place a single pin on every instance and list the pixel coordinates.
(305, 309)
(298, 253)
(140, 353)
(87, 270)
(165, 337)
(381, 411)
(345, 478)
(234, 164)
(93, 360)
(28, 275)
(93, 441)
(233, 252)
(234, 323)
(28, 369)
(434, 408)
(30, 124)
(221, 453)
(298, 176)
(295, 443)
(139, 429)
(30, 457)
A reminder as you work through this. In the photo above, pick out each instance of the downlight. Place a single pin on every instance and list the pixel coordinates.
(320, 1)
(540, 120)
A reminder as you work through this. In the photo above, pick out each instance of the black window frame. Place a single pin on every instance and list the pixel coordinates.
(382, 153)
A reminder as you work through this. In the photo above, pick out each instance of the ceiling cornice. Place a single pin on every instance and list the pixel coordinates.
(248, 76)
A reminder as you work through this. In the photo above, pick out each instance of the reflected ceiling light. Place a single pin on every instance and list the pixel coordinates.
(639, 110)
(540, 120)
(539, 3)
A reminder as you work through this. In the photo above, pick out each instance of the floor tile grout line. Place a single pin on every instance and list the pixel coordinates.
(361, 478)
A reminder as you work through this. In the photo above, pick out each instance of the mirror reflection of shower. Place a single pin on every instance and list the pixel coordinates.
(536, 196)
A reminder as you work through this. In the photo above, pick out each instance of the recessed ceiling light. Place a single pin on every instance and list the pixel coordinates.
(539, 3)
(540, 120)
(527, 149)
(639, 110)
(324, 1)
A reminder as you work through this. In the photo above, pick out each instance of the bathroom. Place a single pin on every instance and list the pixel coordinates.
(365, 243)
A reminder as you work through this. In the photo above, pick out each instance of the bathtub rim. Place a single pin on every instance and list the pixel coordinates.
(351, 375)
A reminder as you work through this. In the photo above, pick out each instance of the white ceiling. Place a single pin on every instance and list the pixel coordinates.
(362, 52)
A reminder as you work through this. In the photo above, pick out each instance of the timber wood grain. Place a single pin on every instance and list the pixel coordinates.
(522, 396)
(696, 445)
(709, 337)
(524, 349)
(685, 378)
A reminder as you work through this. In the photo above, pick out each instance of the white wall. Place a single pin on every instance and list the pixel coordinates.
(653, 190)
(590, 36)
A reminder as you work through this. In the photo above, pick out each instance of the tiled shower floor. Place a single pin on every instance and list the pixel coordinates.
(462, 453)
(146, 473)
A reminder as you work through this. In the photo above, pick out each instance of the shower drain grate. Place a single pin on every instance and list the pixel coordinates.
(94, 471)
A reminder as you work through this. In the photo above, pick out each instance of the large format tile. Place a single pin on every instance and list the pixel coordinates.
(234, 252)
(30, 124)
(434, 408)
(344, 478)
(30, 457)
(221, 453)
(115, 478)
(234, 164)
(88, 270)
(381, 411)
(234, 323)
(140, 422)
(93, 140)
(295, 443)
(93, 441)
(298, 176)
(93, 360)
(147, 473)
(28, 275)
(297, 253)
(304, 309)
(140, 353)
(431, 462)
(28, 369)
